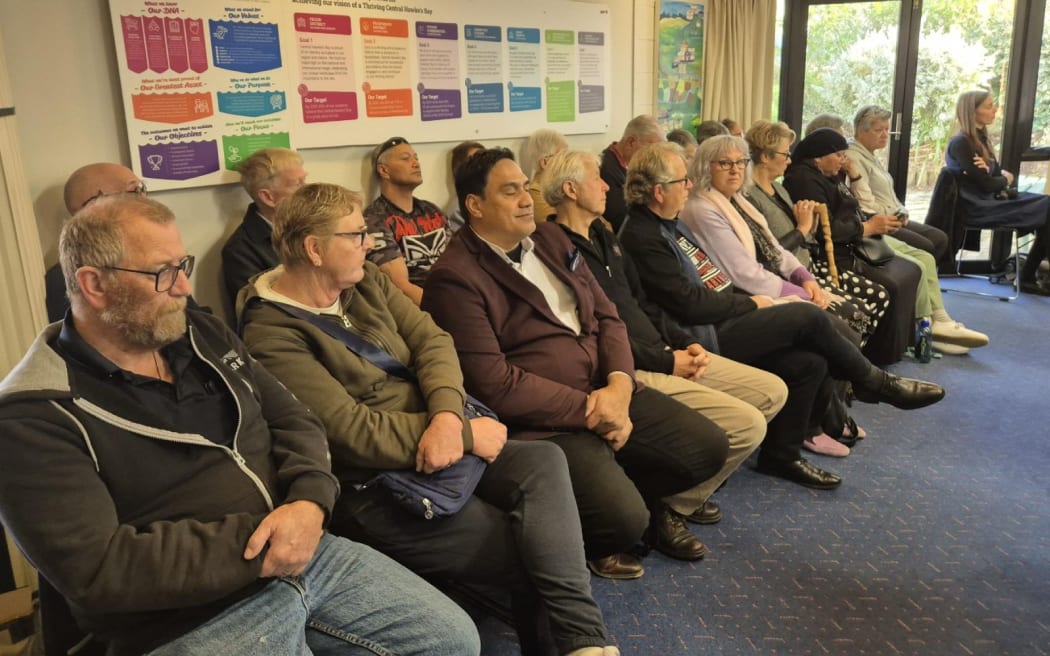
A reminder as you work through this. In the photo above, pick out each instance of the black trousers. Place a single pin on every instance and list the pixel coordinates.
(520, 531)
(896, 330)
(671, 449)
(800, 343)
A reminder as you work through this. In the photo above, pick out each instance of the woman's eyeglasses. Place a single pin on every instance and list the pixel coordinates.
(358, 235)
(729, 164)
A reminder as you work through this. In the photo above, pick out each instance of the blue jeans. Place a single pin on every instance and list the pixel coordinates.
(350, 600)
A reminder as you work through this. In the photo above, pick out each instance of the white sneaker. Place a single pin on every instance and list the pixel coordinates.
(953, 332)
(949, 349)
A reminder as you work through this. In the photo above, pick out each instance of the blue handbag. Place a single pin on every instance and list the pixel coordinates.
(440, 494)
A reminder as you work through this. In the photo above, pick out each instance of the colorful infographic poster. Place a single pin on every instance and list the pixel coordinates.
(326, 72)
(437, 45)
(387, 73)
(205, 84)
(560, 55)
(484, 83)
(525, 74)
(200, 91)
(592, 66)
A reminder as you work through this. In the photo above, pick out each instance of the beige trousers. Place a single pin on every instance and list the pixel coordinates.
(740, 399)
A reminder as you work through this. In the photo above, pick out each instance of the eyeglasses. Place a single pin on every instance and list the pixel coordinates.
(685, 181)
(165, 278)
(138, 188)
(392, 142)
(785, 154)
(359, 235)
(729, 165)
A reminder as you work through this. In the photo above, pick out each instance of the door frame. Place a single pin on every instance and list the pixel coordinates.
(793, 69)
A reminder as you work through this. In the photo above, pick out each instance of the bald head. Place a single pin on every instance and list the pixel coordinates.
(98, 179)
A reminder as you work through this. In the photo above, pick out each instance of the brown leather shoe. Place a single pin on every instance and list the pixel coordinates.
(617, 566)
(709, 513)
(670, 536)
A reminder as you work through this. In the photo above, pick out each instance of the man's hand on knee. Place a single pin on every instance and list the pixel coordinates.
(292, 532)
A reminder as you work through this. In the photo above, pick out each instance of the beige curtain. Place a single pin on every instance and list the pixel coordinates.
(21, 265)
(738, 59)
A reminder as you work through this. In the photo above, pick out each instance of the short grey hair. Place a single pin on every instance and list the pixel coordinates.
(95, 234)
(832, 121)
(568, 165)
(711, 151)
(649, 168)
(683, 138)
(538, 145)
(867, 116)
(259, 170)
(643, 125)
(709, 129)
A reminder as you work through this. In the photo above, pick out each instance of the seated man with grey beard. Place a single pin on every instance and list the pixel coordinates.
(170, 488)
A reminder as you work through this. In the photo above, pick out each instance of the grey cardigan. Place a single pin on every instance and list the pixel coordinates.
(782, 224)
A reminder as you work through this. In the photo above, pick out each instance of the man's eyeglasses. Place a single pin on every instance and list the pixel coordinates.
(164, 279)
(684, 181)
(138, 188)
(729, 165)
(785, 154)
(392, 142)
(358, 235)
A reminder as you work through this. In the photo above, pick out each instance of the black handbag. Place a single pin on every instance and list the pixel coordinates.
(873, 250)
(440, 494)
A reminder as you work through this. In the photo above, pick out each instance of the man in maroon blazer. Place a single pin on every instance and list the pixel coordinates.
(541, 344)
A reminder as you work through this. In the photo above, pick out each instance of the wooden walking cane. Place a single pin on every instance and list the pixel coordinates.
(821, 210)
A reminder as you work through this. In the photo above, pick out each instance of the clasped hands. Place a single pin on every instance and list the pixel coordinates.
(691, 362)
(607, 410)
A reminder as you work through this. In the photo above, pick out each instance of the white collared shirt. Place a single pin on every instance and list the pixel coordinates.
(560, 298)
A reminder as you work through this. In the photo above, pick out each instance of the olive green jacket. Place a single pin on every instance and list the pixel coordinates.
(374, 420)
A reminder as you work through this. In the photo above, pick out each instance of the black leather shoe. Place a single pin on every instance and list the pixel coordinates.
(617, 566)
(800, 471)
(903, 393)
(1038, 287)
(709, 513)
(669, 535)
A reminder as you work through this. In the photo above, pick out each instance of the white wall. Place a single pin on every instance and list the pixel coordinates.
(67, 98)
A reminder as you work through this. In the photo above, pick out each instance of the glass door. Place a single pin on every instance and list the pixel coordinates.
(913, 57)
(962, 45)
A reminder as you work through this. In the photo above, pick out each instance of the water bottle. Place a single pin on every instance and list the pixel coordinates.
(923, 341)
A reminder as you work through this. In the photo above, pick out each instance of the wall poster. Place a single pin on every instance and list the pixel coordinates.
(207, 83)
(679, 57)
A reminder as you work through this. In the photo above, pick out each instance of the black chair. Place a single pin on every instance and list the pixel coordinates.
(62, 636)
(964, 234)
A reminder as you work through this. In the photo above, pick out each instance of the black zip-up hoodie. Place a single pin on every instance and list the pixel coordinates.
(142, 528)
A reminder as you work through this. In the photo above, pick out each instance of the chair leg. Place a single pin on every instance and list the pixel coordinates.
(1017, 274)
(1017, 267)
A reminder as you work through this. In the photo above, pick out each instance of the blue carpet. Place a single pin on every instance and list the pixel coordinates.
(938, 542)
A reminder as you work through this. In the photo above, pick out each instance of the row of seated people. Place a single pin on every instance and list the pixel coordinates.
(170, 489)
(516, 345)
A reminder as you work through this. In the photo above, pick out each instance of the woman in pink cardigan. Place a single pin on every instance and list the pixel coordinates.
(737, 238)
